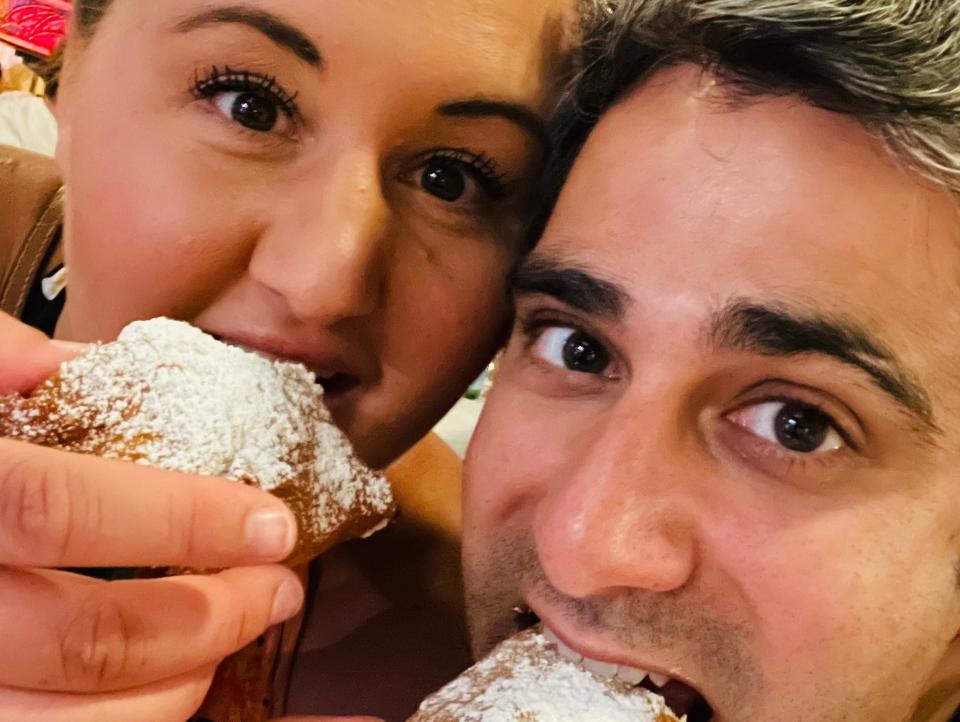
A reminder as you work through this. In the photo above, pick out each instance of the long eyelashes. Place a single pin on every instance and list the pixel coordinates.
(228, 79)
(482, 167)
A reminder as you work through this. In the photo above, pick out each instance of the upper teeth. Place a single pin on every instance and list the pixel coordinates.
(658, 679)
(628, 675)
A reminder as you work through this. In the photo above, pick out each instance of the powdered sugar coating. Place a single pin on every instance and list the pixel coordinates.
(167, 395)
(526, 680)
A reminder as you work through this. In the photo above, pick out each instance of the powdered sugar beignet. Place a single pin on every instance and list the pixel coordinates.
(167, 395)
(526, 680)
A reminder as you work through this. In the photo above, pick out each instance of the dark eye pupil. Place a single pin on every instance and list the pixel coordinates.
(254, 112)
(801, 428)
(582, 353)
(444, 182)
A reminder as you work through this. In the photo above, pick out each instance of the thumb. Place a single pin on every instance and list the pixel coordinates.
(27, 357)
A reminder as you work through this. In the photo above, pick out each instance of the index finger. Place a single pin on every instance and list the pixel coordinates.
(59, 509)
(27, 357)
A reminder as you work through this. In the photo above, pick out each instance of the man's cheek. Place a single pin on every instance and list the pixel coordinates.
(822, 616)
(484, 477)
(499, 471)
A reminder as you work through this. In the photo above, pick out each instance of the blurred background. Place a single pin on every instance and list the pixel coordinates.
(30, 32)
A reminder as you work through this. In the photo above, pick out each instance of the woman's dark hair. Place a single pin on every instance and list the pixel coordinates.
(49, 69)
(88, 13)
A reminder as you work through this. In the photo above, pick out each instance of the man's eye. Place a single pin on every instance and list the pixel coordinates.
(798, 427)
(572, 349)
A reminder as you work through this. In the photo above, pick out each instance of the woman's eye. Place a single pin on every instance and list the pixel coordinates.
(254, 101)
(573, 350)
(250, 110)
(444, 180)
(457, 175)
(798, 427)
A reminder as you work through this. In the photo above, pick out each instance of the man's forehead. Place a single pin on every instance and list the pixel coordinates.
(674, 193)
(682, 130)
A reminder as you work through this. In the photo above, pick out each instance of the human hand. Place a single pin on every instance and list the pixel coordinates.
(27, 357)
(76, 649)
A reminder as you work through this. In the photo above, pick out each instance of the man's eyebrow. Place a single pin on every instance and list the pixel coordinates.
(770, 331)
(516, 113)
(572, 285)
(273, 26)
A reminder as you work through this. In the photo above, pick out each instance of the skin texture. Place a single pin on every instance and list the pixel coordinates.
(315, 240)
(312, 239)
(647, 511)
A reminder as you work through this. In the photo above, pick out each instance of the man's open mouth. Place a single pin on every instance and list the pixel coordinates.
(679, 696)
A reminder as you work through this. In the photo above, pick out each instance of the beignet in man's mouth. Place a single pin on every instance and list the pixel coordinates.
(526, 679)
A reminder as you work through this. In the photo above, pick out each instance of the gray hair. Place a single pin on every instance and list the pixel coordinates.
(894, 65)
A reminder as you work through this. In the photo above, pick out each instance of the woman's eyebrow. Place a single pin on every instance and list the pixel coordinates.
(516, 113)
(273, 26)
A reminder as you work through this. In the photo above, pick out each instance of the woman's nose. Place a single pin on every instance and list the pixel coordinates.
(620, 518)
(328, 249)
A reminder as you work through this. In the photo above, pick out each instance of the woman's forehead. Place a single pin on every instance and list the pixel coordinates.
(495, 42)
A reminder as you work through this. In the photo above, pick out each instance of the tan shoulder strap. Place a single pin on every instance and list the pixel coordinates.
(31, 215)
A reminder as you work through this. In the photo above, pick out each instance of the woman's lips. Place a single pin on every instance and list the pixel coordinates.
(337, 375)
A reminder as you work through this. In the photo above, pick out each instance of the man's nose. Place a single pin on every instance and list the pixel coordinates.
(621, 517)
(327, 251)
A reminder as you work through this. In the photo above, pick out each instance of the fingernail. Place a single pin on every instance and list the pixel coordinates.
(287, 601)
(271, 533)
(70, 346)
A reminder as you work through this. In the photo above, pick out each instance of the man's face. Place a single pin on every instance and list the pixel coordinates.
(723, 443)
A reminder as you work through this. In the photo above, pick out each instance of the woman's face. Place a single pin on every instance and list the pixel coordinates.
(342, 183)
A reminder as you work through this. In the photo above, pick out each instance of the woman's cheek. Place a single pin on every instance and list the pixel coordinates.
(129, 262)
